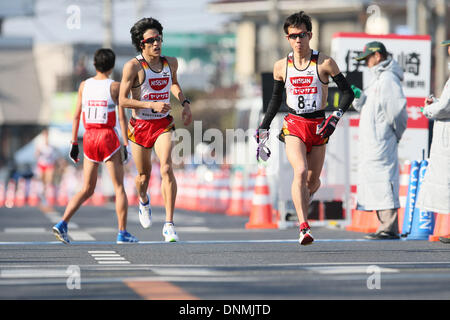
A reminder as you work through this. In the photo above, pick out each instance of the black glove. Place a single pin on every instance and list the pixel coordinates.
(125, 154)
(326, 128)
(74, 151)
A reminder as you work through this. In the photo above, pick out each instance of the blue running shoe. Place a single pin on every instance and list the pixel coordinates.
(60, 232)
(125, 237)
(145, 213)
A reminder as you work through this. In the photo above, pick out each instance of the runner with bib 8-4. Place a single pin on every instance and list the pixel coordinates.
(304, 75)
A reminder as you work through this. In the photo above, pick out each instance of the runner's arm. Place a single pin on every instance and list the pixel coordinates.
(115, 87)
(342, 84)
(77, 114)
(277, 95)
(327, 127)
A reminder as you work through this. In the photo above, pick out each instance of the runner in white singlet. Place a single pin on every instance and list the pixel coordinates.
(304, 75)
(96, 103)
(150, 78)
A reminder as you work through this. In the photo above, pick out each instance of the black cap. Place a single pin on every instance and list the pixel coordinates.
(372, 47)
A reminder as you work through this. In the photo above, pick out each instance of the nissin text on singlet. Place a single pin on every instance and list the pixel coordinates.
(301, 81)
(158, 83)
(303, 87)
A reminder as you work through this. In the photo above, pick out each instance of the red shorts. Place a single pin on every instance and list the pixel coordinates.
(100, 144)
(145, 132)
(42, 168)
(303, 128)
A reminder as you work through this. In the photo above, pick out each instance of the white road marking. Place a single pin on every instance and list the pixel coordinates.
(100, 252)
(347, 269)
(114, 262)
(108, 257)
(180, 271)
(25, 230)
(105, 255)
(77, 235)
(33, 273)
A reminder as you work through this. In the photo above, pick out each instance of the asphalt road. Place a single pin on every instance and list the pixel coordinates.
(216, 259)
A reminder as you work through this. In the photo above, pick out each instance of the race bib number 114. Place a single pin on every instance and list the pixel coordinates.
(96, 111)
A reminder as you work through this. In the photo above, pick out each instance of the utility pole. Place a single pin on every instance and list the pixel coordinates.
(412, 15)
(274, 21)
(441, 52)
(107, 24)
(139, 9)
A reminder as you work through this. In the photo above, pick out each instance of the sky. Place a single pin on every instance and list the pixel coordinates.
(81, 20)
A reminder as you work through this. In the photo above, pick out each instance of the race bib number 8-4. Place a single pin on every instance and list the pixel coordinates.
(96, 111)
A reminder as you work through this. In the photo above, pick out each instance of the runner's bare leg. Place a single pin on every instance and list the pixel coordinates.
(115, 169)
(315, 160)
(90, 173)
(296, 154)
(163, 149)
(142, 160)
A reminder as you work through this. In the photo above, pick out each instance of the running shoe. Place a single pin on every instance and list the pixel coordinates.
(169, 233)
(305, 237)
(145, 213)
(382, 236)
(126, 237)
(60, 232)
(445, 239)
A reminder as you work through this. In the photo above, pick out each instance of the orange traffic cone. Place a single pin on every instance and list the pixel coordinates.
(237, 196)
(130, 189)
(98, 198)
(10, 193)
(63, 193)
(248, 195)
(193, 192)
(51, 195)
(154, 187)
(181, 178)
(441, 227)
(223, 190)
(405, 171)
(2, 194)
(363, 221)
(21, 197)
(261, 212)
(33, 195)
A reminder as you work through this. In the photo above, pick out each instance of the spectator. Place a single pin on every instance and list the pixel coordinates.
(434, 194)
(382, 122)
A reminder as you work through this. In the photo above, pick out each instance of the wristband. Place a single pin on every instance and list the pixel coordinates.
(74, 142)
(185, 100)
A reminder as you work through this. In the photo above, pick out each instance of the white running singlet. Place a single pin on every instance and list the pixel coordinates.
(99, 109)
(156, 87)
(303, 87)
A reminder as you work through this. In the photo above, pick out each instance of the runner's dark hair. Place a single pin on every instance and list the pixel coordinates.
(296, 20)
(139, 28)
(104, 59)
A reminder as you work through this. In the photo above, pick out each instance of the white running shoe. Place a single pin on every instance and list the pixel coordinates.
(169, 233)
(305, 237)
(145, 213)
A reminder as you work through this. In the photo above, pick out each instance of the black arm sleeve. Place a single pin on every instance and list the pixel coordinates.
(347, 92)
(274, 104)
